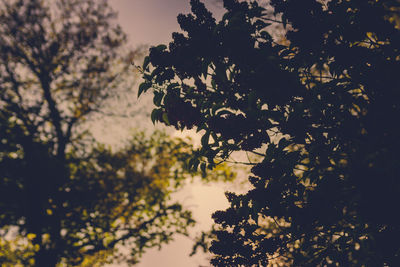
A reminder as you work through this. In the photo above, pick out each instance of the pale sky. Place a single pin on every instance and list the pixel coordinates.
(152, 22)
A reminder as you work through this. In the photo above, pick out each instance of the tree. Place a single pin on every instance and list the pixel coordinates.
(66, 200)
(110, 199)
(319, 107)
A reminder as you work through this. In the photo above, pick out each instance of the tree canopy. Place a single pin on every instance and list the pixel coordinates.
(318, 103)
(65, 199)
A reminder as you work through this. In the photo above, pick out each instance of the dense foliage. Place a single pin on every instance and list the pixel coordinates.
(66, 200)
(319, 103)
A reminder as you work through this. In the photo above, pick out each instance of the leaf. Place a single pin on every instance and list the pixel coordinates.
(283, 143)
(31, 236)
(143, 87)
(260, 24)
(155, 115)
(160, 47)
(215, 137)
(146, 62)
(203, 169)
(204, 69)
(266, 36)
(223, 112)
(221, 73)
(194, 163)
(165, 118)
(213, 84)
(284, 20)
(205, 138)
(158, 96)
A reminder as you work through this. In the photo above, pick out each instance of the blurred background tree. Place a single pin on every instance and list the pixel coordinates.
(65, 199)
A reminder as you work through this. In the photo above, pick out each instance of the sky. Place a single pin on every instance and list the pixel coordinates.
(151, 22)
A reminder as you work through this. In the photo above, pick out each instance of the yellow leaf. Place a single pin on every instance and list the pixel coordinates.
(31, 236)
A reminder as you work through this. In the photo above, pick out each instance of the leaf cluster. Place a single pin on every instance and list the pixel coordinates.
(319, 107)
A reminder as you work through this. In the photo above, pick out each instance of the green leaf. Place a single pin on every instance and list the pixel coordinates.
(215, 137)
(205, 138)
(284, 20)
(260, 24)
(221, 73)
(202, 126)
(266, 36)
(194, 163)
(146, 62)
(283, 143)
(161, 47)
(158, 96)
(143, 87)
(155, 115)
(203, 169)
(254, 214)
(165, 118)
(204, 69)
(213, 84)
